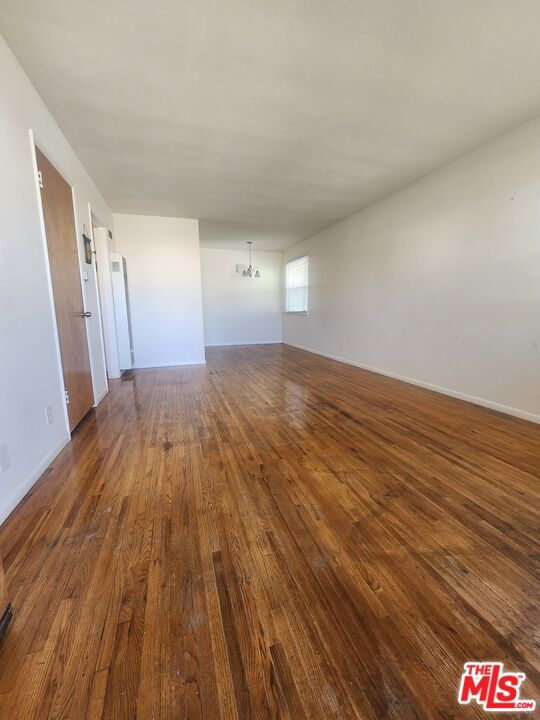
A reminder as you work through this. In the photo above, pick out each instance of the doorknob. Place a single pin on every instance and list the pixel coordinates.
(86, 314)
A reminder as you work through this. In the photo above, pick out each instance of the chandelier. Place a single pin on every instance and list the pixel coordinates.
(251, 271)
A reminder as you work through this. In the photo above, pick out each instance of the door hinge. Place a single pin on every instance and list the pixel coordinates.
(40, 179)
(66, 393)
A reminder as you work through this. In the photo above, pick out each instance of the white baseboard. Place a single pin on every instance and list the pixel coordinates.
(172, 363)
(100, 398)
(7, 506)
(240, 344)
(492, 405)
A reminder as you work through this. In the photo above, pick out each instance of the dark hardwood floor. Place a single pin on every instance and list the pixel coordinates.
(274, 535)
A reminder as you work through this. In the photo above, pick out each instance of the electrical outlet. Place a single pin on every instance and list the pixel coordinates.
(4, 458)
(341, 345)
(49, 418)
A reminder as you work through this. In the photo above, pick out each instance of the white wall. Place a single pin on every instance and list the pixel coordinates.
(238, 310)
(29, 375)
(440, 282)
(164, 277)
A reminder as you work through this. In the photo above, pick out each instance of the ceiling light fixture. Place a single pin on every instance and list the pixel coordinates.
(251, 271)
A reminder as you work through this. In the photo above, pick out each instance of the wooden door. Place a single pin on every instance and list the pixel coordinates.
(60, 230)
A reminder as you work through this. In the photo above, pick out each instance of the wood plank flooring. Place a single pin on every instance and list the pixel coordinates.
(274, 535)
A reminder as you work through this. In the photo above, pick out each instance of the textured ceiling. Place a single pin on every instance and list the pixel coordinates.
(272, 120)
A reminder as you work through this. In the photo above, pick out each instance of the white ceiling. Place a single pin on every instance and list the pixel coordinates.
(271, 119)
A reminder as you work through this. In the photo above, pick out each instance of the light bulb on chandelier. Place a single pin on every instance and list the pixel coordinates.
(251, 270)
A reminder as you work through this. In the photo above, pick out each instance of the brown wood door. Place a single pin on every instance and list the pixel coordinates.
(60, 230)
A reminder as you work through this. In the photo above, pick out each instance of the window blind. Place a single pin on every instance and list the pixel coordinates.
(296, 285)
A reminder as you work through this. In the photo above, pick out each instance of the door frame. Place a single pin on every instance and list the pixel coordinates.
(101, 291)
(43, 147)
(105, 296)
(91, 269)
(49, 279)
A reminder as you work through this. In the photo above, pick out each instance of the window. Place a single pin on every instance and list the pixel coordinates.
(296, 285)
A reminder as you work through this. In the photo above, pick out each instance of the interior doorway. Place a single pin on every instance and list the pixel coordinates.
(61, 236)
(102, 237)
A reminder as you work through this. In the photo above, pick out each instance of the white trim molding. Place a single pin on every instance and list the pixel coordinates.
(33, 144)
(7, 506)
(173, 363)
(490, 404)
(240, 344)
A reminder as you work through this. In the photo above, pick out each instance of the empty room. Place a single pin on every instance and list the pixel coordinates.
(269, 359)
